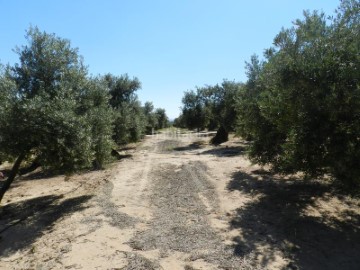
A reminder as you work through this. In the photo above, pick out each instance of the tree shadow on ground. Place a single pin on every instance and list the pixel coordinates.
(277, 220)
(39, 175)
(190, 147)
(225, 151)
(21, 223)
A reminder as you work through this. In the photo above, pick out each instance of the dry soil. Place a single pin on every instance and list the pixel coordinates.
(177, 202)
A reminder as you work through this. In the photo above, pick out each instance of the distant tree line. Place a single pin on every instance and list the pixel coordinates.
(53, 112)
(300, 106)
(210, 107)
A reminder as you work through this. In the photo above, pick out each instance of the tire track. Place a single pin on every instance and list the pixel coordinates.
(183, 199)
(144, 178)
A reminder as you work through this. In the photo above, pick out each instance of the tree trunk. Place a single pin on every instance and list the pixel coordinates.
(11, 176)
(32, 167)
(221, 136)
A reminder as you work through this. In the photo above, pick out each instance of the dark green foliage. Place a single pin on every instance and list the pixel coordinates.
(219, 103)
(47, 63)
(7, 99)
(42, 116)
(162, 119)
(130, 122)
(211, 107)
(100, 117)
(179, 122)
(151, 119)
(54, 131)
(155, 119)
(122, 89)
(193, 111)
(52, 111)
(301, 105)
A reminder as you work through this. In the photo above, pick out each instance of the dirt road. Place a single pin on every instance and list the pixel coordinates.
(178, 203)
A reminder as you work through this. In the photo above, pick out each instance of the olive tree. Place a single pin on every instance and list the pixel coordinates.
(212, 107)
(44, 113)
(193, 113)
(301, 105)
(162, 119)
(130, 121)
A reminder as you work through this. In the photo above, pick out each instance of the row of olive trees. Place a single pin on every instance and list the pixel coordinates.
(51, 110)
(210, 107)
(155, 119)
(300, 106)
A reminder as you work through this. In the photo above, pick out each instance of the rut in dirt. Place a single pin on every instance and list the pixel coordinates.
(183, 198)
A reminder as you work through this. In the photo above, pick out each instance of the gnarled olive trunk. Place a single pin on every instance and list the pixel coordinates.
(11, 176)
(32, 167)
(221, 136)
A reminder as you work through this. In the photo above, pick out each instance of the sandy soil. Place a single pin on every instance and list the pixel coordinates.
(178, 203)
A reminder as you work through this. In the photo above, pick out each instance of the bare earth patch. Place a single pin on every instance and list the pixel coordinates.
(178, 203)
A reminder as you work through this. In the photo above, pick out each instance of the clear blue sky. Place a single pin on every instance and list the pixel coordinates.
(170, 45)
